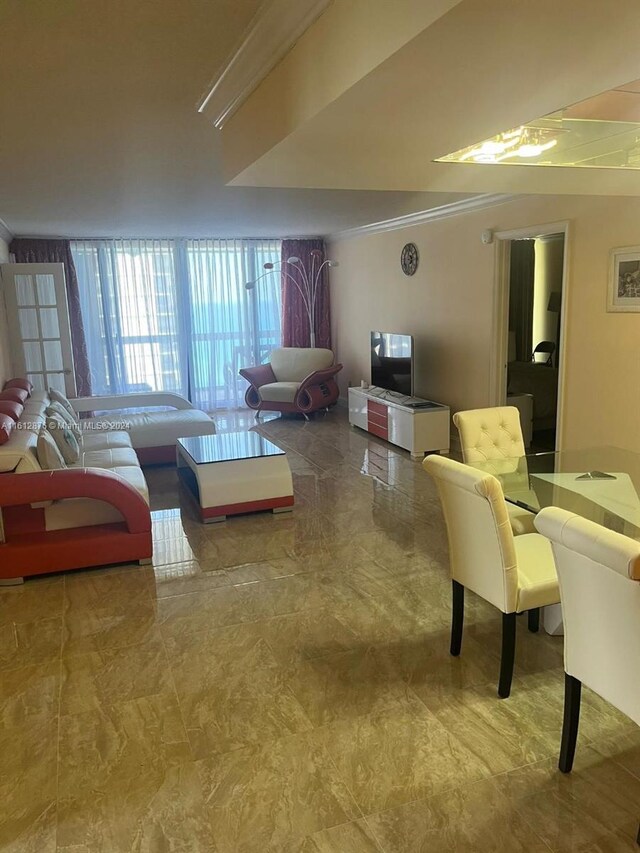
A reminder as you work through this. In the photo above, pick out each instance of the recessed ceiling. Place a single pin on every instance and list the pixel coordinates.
(476, 70)
(101, 135)
(602, 132)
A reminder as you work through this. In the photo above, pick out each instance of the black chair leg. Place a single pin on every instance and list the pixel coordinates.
(533, 618)
(572, 691)
(457, 617)
(508, 654)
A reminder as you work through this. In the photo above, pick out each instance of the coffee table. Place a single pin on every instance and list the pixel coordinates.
(234, 473)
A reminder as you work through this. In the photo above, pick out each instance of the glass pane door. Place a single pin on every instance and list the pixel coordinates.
(39, 328)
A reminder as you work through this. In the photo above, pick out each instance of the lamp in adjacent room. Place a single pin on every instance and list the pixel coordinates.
(306, 281)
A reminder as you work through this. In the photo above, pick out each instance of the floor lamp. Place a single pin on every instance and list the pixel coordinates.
(306, 281)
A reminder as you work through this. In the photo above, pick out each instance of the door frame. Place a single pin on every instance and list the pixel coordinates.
(500, 331)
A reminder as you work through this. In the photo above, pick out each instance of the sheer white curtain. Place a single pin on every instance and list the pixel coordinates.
(231, 327)
(174, 315)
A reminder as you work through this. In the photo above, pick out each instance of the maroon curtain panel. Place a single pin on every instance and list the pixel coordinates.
(29, 251)
(295, 322)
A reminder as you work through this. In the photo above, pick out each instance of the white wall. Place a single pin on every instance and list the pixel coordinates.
(448, 306)
(5, 365)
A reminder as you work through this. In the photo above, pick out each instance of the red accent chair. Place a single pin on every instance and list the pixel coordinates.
(297, 381)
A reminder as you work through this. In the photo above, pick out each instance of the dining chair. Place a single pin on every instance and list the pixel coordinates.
(515, 574)
(495, 435)
(599, 577)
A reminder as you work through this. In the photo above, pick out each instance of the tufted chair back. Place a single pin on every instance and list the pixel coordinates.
(487, 434)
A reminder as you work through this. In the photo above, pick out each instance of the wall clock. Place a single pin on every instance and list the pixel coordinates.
(409, 259)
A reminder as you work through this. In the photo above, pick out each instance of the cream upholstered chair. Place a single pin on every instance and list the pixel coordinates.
(599, 576)
(512, 573)
(496, 434)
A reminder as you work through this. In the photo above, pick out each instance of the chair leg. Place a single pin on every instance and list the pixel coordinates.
(533, 618)
(457, 617)
(508, 654)
(572, 691)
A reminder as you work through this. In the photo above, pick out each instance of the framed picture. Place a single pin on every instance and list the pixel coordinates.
(624, 280)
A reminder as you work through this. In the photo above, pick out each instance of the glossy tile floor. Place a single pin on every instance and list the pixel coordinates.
(283, 683)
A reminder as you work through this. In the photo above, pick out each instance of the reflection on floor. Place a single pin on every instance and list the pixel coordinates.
(282, 683)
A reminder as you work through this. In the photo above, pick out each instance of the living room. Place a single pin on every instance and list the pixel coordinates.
(246, 616)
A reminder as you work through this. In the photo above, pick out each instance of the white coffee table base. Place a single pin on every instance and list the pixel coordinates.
(237, 486)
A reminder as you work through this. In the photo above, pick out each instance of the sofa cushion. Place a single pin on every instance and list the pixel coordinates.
(155, 429)
(11, 408)
(293, 364)
(7, 425)
(49, 455)
(65, 440)
(108, 458)
(84, 512)
(19, 383)
(56, 408)
(279, 392)
(58, 397)
(18, 395)
(99, 440)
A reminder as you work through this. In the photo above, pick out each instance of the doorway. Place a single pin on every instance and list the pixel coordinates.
(529, 325)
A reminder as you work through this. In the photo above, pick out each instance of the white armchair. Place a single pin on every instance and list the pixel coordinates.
(599, 576)
(496, 435)
(512, 573)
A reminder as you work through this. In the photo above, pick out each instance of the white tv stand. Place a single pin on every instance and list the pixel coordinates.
(418, 428)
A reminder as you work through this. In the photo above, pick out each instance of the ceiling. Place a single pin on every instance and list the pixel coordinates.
(101, 136)
(476, 70)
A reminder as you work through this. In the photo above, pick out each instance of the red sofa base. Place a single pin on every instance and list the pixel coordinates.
(30, 554)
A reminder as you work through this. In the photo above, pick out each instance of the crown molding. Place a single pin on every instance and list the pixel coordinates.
(456, 208)
(5, 234)
(273, 31)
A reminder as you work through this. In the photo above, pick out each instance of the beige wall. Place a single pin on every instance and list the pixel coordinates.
(5, 367)
(447, 306)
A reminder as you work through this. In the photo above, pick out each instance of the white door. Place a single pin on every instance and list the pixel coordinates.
(39, 329)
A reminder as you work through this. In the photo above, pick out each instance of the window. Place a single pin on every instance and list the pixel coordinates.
(166, 315)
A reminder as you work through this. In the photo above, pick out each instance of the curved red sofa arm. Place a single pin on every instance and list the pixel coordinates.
(96, 483)
(319, 376)
(261, 374)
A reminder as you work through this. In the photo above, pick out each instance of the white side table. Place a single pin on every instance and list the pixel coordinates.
(234, 473)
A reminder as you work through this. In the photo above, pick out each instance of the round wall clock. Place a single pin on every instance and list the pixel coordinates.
(409, 259)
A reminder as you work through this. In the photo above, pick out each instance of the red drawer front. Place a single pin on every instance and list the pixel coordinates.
(380, 431)
(377, 408)
(378, 420)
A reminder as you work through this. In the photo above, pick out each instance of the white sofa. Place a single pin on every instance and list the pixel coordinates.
(152, 434)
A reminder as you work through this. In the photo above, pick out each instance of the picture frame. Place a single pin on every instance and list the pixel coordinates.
(624, 280)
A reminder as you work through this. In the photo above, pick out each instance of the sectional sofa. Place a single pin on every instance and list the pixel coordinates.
(96, 511)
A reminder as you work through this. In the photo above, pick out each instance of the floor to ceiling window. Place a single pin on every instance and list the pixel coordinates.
(174, 315)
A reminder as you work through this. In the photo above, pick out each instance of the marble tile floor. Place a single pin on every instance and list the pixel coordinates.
(283, 683)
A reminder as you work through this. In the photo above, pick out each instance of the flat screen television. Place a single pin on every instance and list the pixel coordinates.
(392, 362)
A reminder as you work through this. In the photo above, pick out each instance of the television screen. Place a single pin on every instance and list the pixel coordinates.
(392, 362)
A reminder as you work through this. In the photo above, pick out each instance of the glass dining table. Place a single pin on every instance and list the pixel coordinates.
(599, 483)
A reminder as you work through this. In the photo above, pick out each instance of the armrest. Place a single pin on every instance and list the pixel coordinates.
(141, 399)
(101, 485)
(319, 376)
(261, 374)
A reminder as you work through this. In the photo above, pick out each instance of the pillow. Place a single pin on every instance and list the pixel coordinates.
(9, 407)
(58, 397)
(59, 409)
(7, 423)
(18, 395)
(47, 452)
(65, 440)
(19, 383)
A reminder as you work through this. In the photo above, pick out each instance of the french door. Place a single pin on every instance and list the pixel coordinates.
(39, 330)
